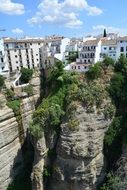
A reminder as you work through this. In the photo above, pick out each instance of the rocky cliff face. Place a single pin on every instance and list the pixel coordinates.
(80, 162)
(9, 145)
(10, 134)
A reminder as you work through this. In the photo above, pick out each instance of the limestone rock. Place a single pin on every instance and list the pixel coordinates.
(10, 154)
(80, 161)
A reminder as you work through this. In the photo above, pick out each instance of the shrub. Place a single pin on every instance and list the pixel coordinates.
(73, 124)
(28, 89)
(1, 81)
(113, 183)
(26, 75)
(94, 71)
(15, 106)
(109, 111)
(117, 90)
(35, 130)
(9, 94)
(114, 130)
(121, 64)
(108, 61)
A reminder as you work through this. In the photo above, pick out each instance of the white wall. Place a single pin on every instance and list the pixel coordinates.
(64, 43)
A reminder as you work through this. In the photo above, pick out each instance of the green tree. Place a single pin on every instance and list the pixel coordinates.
(26, 75)
(121, 64)
(104, 34)
(118, 90)
(108, 61)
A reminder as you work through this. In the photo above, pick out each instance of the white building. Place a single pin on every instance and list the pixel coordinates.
(46, 57)
(109, 48)
(90, 52)
(22, 53)
(61, 54)
(3, 63)
(122, 46)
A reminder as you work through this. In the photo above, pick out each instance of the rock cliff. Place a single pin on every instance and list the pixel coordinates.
(12, 135)
(80, 162)
(9, 145)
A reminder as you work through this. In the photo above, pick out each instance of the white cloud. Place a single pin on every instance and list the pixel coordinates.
(11, 8)
(64, 13)
(94, 11)
(17, 31)
(99, 28)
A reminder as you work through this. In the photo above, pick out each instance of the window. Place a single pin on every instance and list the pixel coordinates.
(75, 67)
(78, 67)
(31, 44)
(84, 67)
(2, 60)
(15, 56)
(126, 48)
(122, 49)
(37, 59)
(121, 41)
(16, 61)
(38, 43)
(110, 48)
(36, 54)
(126, 55)
(105, 48)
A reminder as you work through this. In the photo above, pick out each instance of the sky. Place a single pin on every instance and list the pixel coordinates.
(69, 18)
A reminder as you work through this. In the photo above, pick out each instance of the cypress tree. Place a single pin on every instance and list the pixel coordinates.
(105, 34)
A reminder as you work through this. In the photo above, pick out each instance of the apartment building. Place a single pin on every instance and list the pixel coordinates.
(3, 64)
(22, 53)
(109, 48)
(121, 46)
(54, 48)
(90, 52)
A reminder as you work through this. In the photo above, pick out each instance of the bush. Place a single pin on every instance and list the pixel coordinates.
(26, 75)
(73, 124)
(28, 89)
(1, 81)
(94, 71)
(9, 94)
(35, 130)
(109, 111)
(108, 61)
(113, 183)
(114, 130)
(15, 106)
(121, 64)
(118, 90)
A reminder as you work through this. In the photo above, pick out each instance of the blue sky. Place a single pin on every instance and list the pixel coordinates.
(62, 17)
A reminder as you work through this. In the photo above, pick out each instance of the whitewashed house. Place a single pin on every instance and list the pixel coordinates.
(121, 46)
(109, 48)
(90, 52)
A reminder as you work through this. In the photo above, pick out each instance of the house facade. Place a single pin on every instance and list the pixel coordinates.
(22, 53)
